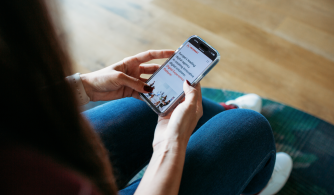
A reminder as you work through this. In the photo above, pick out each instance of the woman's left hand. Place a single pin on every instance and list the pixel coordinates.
(122, 79)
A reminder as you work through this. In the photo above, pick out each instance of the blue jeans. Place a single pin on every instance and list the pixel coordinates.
(230, 152)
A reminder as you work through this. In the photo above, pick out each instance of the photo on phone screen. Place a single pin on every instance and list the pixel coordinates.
(188, 63)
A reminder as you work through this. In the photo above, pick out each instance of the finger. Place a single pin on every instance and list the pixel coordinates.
(167, 116)
(148, 68)
(148, 56)
(134, 83)
(190, 93)
(199, 100)
(144, 80)
(154, 54)
(199, 93)
(136, 95)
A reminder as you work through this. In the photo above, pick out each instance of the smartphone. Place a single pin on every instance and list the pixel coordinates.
(191, 61)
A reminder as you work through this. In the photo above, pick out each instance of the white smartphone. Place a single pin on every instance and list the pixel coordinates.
(191, 61)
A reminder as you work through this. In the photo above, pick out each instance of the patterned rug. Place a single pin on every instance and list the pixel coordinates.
(307, 139)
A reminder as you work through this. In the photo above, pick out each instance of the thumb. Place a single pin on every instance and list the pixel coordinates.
(190, 92)
(135, 84)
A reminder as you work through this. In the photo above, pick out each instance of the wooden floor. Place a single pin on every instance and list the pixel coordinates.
(280, 49)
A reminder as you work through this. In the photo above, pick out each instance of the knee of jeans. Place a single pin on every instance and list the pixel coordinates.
(252, 125)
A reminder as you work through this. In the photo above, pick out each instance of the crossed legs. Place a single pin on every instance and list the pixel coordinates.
(230, 152)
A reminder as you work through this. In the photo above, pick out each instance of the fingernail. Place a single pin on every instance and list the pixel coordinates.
(148, 88)
(188, 83)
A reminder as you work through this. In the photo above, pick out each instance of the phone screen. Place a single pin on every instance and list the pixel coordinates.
(187, 64)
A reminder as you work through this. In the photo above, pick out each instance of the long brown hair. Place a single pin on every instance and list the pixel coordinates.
(39, 106)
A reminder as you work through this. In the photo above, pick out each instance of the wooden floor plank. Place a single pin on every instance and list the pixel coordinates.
(248, 11)
(104, 40)
(308, 37)
(257, 15)
(305, 11)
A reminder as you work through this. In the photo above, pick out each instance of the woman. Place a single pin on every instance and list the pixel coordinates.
(48, 147)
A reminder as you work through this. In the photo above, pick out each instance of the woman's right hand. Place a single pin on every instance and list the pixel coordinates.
(178, 125)
(164, 172)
